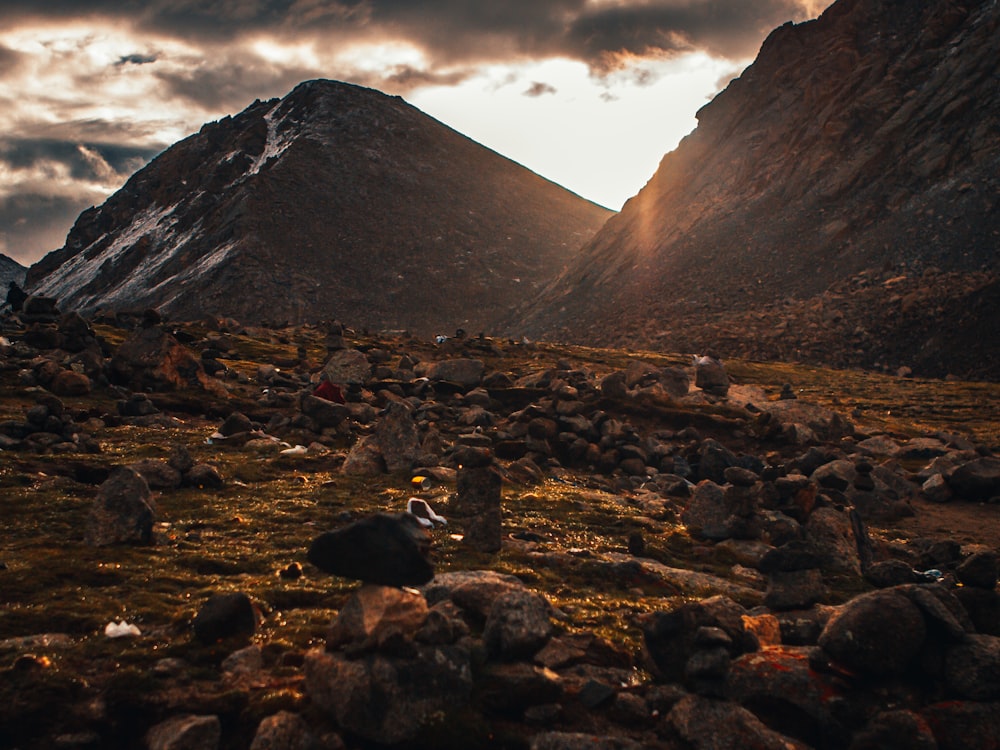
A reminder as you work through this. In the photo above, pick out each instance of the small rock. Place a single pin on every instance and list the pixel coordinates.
(282, 731)
(979, 570)
(225, 616)
(187, 732)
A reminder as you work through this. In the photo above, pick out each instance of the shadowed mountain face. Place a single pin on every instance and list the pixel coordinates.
(859, 153)
(334, 202)
(10, 270)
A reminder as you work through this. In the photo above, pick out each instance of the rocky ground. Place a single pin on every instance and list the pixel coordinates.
(922, 322)
(634, 549)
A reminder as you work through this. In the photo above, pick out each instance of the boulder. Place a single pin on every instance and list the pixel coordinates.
(477, 507)
(222, 616)
(794, 589)
(374, 615)
(70, 383)
(474, 591)
(204, 476)
(899, 729)
(978, 479)
(364, 459)
(511, 688)
(831, 533)
(878, 633)
(283, 731)
(711, 376)
(964, 725)
(790, 696)
(152, 359)
(187, 732)
(386, 549)
(517, 626)
(397, 437)
(389, 700)
(39, 309)
(669, 637)
(709, 724)
(323, 412)
(705, 515)
(979, 570)
(348, 366)
(464, 372)
(123, 511)
(972, 668)
(159, 475)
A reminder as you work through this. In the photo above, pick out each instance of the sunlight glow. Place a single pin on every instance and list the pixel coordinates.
(599, 137)
(299, 54)
(382, 56)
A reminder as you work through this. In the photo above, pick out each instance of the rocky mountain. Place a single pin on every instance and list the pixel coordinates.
(10, 270)
(859, 152)
(334, 202)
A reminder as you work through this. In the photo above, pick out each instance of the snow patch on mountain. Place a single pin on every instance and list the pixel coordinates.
(83, 268)
(276, 143)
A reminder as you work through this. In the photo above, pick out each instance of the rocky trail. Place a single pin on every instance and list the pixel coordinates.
(206, 547)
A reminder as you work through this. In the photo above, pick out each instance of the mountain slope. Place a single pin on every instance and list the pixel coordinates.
(863, 144)
(335, 201)
(10, 270)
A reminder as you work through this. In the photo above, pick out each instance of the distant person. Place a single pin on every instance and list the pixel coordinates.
(16, 297)
(329, 391)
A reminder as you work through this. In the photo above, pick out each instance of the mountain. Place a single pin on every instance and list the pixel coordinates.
(839, 202)
(334, 202)
(10, 270)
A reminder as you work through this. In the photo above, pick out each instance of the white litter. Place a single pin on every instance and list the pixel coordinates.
(298, 450)
(427, 517)
(121, 629)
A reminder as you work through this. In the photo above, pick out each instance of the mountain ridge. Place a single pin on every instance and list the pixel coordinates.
(859, 142)
(334, 201)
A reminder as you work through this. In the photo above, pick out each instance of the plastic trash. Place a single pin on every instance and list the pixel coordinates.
(121, 629)
(298, 450)
(421, 483)
(427, 517)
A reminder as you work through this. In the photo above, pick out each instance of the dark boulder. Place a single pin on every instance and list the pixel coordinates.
(225, 616)
(123, 511)
(388, 549)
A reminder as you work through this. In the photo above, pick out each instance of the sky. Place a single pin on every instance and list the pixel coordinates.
(588, 93)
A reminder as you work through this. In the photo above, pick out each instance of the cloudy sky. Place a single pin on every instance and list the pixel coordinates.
(589, 93)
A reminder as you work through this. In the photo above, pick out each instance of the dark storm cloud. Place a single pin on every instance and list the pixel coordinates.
(136, 59)
(229, 85)
(9, 59)
(723, 28)
(82, 161)
(51, 182)
(33, 224)
(456, 31)
(537, 88)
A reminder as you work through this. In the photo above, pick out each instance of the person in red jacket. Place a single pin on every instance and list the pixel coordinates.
(329, 391)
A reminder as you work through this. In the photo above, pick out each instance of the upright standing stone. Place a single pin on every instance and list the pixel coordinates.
(477, 504)
(123, 511)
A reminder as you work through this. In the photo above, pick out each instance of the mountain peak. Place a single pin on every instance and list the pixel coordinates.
(336, 201)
